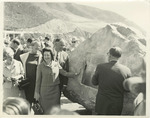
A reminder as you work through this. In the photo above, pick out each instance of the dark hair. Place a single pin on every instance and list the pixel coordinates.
(48, 50)
(57, 40)
(115, 51)
(29, 40)
(16, 106)
(47, 38)
(16, 41)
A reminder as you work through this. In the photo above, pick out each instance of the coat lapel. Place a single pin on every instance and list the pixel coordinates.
(23, 59)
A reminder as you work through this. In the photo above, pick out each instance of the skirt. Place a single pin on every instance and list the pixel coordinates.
(49, 98)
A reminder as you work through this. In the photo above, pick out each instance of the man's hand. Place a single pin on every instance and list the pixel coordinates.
(69, 74)
(72, 74)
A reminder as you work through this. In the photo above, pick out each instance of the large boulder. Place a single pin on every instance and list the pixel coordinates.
(92, 52)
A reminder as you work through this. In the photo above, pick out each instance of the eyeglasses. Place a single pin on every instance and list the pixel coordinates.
(73, 41)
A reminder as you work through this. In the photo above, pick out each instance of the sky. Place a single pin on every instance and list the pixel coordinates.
(136, 11)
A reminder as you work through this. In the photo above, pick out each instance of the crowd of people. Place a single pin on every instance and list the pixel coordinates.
(46, 69)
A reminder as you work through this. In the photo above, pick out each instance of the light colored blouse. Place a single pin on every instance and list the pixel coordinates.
(15, 70)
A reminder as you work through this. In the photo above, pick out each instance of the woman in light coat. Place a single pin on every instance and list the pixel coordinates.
(12, 73)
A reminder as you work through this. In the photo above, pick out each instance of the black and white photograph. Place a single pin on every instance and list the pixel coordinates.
(75, 57)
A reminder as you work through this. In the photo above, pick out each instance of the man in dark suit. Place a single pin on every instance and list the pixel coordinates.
(17, 50)
(63, 59)
(109, 77)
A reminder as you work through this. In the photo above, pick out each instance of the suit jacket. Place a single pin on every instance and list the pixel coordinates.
(17, 54)
(63, 60)
(109, 77)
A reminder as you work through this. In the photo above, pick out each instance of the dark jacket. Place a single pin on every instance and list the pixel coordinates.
(17, 54)
(63, 60)
(109, 77)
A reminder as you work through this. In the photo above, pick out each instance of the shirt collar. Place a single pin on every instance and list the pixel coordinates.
(48, 65)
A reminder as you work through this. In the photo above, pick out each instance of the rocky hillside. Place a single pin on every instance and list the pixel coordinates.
(53, 26)
(23, 15)
(47, 17)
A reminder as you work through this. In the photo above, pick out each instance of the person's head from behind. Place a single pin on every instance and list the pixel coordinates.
(29, 42)
(47, 54)
(16, 106)
(114, 53)
(15, 43)
(59, 44)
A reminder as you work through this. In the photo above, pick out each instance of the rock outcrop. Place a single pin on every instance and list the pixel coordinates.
(93, 51)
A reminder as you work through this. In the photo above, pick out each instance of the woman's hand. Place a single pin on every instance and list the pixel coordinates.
(18, 77)
(14, 81)
(37, 96)
(9, 78)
